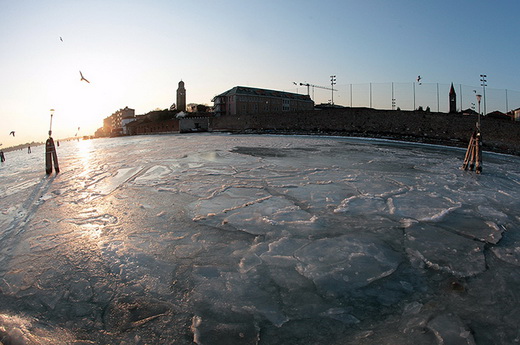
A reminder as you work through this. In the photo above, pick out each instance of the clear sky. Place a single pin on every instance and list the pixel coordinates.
(134, 52)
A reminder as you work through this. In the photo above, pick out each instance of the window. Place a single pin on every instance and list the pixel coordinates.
(286, 105)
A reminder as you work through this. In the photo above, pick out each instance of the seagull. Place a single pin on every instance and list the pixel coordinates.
(61, 39)
(419, 79)
(12, 132)
(82, 77)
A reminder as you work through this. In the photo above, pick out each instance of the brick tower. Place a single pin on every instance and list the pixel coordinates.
(181, 97)
(453, 100)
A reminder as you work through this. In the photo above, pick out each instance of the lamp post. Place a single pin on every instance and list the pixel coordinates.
(332, 83)
(483, 84)
(50, 126)
(479, 97)
(51, 158)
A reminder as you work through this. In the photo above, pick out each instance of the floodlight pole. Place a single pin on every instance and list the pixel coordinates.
(483, 82)
(332, 83)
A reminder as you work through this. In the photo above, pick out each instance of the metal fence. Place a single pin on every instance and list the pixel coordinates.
(410, 96)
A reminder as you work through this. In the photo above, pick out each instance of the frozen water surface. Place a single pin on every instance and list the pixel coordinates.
(222, 239)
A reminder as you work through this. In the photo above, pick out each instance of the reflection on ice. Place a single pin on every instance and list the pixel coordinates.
(258, 240)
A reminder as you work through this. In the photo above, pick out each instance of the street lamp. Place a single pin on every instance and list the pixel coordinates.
(483, 84)
(50, 126)
(479, 97)
(332, 83)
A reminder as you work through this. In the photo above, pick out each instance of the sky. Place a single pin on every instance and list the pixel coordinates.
(134, 53)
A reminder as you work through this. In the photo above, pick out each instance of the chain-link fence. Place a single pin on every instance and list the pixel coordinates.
(410, 96)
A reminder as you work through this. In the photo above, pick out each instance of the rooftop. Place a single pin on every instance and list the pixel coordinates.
(244, 90)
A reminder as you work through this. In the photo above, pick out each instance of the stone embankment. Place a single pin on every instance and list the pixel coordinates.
(416, 126)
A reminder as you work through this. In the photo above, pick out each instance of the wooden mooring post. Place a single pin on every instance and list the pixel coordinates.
(473, 158)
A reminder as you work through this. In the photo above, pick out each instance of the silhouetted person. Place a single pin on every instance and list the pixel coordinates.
(29, 149)
(2, 157)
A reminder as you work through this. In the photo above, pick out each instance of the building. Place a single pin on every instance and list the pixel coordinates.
(181, 97)
(155, 122)
(113, 125)
(242, 100)
(499, 115)
(125, 121)
(453, 100)
(516, 114)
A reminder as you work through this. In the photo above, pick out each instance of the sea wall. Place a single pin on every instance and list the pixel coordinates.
(420, 126)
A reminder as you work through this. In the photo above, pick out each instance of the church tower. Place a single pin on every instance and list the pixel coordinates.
(181, 97)
(453, 100)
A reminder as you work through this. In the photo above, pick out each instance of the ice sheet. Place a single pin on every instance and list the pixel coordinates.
(220, 239)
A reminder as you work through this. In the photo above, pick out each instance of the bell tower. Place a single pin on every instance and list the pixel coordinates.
(181, 97)
(453, 100)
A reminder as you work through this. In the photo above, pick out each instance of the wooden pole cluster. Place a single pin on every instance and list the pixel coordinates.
(473, 158)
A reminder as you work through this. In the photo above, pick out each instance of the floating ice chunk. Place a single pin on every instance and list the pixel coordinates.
(111, 183)
(422, 206)
(249, 262)
(510, 254)
(337, 265)
(341, 315)
(445, 251)
(80, 291)
(449, 329)
(226, 292)
(153, 175)
(228, 200)
(253, 212)
(492, 213)
(207, 332)
(466, 223)
(51, 299)
(15, 329)
(281, 252)
(412, 308)
(45, 197)
(17, 187)
(129, 312)
(362, 204)
(320, 195)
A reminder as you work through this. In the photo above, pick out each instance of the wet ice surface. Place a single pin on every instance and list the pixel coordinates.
(220, 239)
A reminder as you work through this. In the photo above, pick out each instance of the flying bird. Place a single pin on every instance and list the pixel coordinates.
(12, 132)
(82, 77)
(61, 39)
